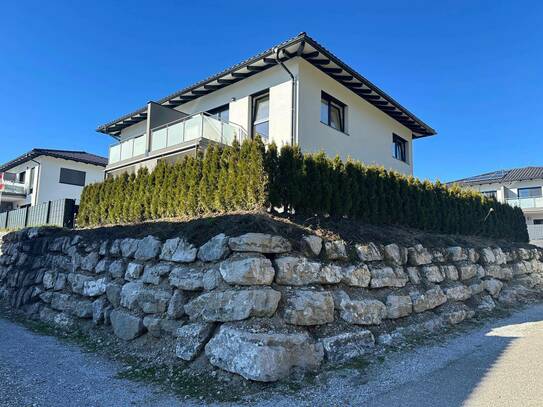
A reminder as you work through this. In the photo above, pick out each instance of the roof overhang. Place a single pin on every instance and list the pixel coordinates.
(42, 152)
(300, 46)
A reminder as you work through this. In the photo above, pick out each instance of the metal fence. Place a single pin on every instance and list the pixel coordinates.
(54, 213)
(535, 232)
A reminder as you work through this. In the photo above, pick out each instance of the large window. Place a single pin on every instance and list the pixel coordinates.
(72, 177)
(399, 148)
(221, 113)
(533, 192)
(332, 112)
(490, 194)
(261, 116)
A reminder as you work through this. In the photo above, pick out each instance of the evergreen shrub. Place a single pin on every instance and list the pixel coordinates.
(249, 177)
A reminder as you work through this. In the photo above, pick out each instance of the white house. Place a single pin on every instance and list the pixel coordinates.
(296, 92)
(520, 187)
(43, 175)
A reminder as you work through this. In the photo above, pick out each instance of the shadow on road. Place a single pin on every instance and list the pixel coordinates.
(491, 372)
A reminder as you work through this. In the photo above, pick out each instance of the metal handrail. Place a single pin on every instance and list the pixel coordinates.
(532, 202)
(239, 131)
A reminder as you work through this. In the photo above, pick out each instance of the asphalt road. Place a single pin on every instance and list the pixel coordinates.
(500, 364)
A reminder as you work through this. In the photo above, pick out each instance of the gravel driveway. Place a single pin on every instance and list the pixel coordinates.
(499, 364)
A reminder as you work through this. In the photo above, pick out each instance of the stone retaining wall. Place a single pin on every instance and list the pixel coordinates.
(259, 305)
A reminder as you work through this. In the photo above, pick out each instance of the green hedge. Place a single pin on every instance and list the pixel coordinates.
(250, 177)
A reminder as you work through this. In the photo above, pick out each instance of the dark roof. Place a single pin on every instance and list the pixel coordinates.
(79, 156)
(503, 176)
(303, 46)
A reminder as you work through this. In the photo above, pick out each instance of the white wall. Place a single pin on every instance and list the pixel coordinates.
(50, 188)
(237, 96)
(369, 131)
(46, 179)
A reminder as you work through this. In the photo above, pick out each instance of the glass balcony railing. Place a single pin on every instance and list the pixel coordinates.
(13, 187)
(198, 126)
(526, 203)
(201, 125)
(127, 149)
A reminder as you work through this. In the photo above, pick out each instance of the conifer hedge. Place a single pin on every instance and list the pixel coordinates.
(251, 177)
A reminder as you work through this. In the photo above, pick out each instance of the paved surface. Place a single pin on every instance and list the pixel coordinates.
(500, 364)
(41, 371)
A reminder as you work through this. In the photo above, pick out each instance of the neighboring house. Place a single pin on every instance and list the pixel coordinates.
(43, 175)
(297, 93)
(520, 187)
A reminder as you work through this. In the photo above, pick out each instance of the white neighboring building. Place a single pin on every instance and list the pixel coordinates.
(522, 187)
(297, 93)
(43, 175)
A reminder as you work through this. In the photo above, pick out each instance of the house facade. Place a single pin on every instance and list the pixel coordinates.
(294, 93)
(43, 175)
(522, 187)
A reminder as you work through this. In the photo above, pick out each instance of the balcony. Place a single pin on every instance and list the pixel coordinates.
(14, 188)
(526, 203)
(185, 132)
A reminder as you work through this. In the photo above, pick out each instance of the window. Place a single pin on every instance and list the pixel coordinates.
(399, 148)
(534, 192)
(261, 116)
(221, 113)
(31, 181)
(490, 194)
(538, 221)
(72, 177)
(332, 112)
(21, 177)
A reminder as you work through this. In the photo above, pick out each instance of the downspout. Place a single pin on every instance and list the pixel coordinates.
(37, 181)
(293, 138)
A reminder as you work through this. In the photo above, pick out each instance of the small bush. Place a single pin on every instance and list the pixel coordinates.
(250, 177)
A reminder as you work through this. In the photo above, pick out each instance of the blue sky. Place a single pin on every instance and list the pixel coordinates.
(470, 69)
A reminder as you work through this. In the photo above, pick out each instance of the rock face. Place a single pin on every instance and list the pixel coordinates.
(388, 277)
(348, 345)
(399, 306)
(153, 273)
(262, 306)
(433, 274)
(419, 256)
(264, 357)
(125, 325)
(191, 339)
(243, 269)
(178, 250)
(369, 252)
(234, 305)
(187, 278)
(215, 249)
(260, 243)
(335, 250)
(430, 299)
(364, 312)
(296, 270)
(395, 255)
(147, 248)
(458, 292)
(304, 307)
(312, 245)
(356, 276)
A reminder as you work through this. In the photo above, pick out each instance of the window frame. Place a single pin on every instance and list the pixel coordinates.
(527, 189)
(333, 102)
(404, 154)
(265, 94)
(490, 194)
(64, 169)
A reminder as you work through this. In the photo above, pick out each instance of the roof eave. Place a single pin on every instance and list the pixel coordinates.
(394, 109)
